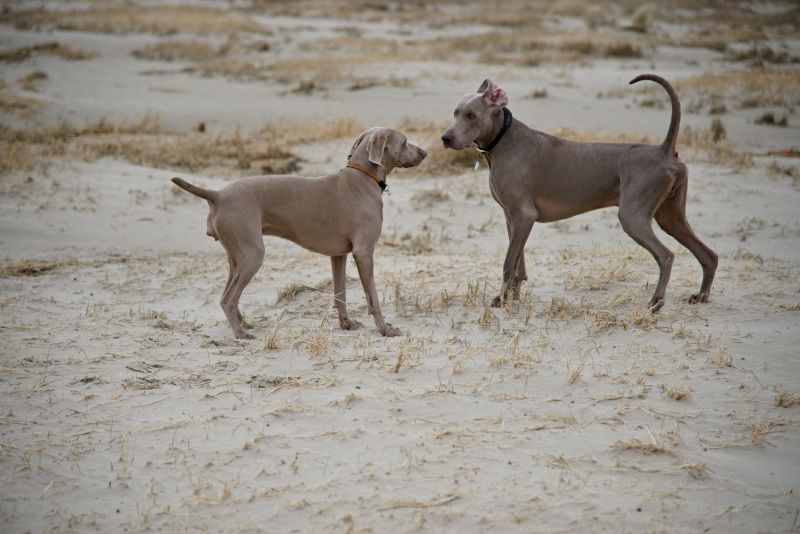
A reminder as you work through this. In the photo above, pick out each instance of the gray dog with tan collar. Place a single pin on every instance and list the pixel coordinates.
(333, 215)
(536, 177)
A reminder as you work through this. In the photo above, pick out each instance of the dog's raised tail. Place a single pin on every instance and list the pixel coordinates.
(207, 194)
(668, 146)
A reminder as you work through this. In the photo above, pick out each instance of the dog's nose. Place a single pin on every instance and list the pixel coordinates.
(422, 153)
(447, 139)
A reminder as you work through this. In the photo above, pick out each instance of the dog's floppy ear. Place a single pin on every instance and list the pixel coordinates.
(376, 146)
(493, 94)
(355, 144)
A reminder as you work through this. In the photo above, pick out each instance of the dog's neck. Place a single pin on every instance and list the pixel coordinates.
(500, 125)
(374, 171)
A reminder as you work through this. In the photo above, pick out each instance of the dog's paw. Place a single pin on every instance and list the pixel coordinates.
(697, 298)
(497, 302)
(244, 335)
(349, 324)
(389, 331)
(655, 305)
(247, 325)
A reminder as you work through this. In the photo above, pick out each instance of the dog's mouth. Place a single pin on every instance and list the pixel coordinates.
(451, 143)
(417, 161)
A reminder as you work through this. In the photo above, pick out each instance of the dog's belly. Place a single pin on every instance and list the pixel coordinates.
(320, 243)
(557, 199)
(550, 210)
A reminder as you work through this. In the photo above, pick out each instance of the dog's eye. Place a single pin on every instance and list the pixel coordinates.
(470, 116)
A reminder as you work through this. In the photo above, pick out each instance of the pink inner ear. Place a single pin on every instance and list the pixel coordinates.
(499, 97)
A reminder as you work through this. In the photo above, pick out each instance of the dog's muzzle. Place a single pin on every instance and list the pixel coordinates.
(447, 140)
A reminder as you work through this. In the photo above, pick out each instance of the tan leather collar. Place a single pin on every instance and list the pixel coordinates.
(381, 183)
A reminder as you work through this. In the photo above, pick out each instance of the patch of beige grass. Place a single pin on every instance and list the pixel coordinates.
(18, 104)
(532, 48)
(186, 50)
(290, 292)
(32, 267)
(785, 399)
(755, 87)
(31, 81)
(675, 392)
(145, 142)
(49, 49)
(133, 18)
(665, 443)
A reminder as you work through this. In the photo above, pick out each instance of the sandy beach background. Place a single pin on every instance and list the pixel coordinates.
(127, 406)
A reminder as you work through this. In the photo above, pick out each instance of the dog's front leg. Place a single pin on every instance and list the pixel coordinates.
(519, 229)
(364, 263)
(338, 264)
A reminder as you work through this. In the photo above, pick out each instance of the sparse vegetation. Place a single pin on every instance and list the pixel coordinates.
(192, 50)
(157, 19)
(757, 87)
(49, 49)
(31, 81)
(146, 142)
(18, 104)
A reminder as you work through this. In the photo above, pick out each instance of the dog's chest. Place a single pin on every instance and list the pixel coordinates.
(503, 192)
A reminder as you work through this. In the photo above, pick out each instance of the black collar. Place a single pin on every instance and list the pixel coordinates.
(506, 125)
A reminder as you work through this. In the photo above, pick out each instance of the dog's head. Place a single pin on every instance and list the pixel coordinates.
(475, 115)
(387, 148)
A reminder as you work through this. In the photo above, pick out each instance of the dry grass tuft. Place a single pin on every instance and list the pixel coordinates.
(756, 87)
(16, 157)
(50, 49)
(698, 471)
(562, 309)
(644, 319)
(311, 131)
(575, 370)
(428, 197)
(271, 341)
(784, 399)
(31, 81)
(191, 50)
(602, 137)
(721, 359)
(711, 143)
(605, 321)
(145, 142)
(18, 104)
(531, 48)
(664, 444)
(33, 267)
(790, 171)
(675, 392)
(290, 292)
(133, 18)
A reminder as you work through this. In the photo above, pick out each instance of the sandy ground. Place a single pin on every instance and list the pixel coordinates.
(127, 405)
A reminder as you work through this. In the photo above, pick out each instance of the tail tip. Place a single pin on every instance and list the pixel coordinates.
(175, 180)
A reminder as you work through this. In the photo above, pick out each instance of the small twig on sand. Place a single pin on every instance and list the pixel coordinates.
(415, 504)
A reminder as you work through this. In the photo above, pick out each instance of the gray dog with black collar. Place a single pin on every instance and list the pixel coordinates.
(536, 177)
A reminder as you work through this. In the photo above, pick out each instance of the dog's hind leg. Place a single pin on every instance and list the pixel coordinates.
(671, 217)
(245, 256)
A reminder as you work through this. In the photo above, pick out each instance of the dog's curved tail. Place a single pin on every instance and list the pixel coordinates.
(668, 146)
(207, 194)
